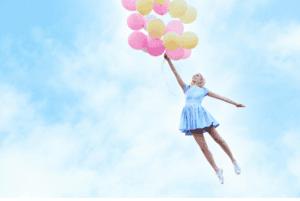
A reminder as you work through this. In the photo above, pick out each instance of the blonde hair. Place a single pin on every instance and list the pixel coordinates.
(198, 80)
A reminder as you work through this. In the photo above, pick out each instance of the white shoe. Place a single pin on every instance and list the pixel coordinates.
(237, 168)
(221, 177)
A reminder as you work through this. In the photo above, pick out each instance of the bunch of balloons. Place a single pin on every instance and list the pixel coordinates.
(175, 43)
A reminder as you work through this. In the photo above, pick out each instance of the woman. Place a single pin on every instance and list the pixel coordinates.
(195, 120)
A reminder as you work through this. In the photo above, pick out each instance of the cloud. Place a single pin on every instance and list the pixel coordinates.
(121, 137)
(37, 34)
(285, 49)
(252, 6)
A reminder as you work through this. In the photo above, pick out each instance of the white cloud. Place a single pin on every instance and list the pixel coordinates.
(127, 138)
(251, 6)
(285, 50)
(36, 34)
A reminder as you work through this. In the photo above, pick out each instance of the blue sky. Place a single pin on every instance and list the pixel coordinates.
(85, 115)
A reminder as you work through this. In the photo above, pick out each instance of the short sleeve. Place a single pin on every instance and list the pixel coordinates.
(186, 87)
(206, 90)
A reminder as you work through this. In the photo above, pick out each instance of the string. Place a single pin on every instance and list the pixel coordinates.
(165, 78)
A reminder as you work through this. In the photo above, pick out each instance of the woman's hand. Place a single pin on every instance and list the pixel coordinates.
(240, 105)
(166, 57)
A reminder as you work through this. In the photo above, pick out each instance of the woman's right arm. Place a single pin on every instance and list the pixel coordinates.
(181, 83)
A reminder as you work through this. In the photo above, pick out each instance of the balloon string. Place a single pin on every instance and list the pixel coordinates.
(165, 78)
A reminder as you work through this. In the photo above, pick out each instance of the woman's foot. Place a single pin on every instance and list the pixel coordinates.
(220, 175)
(237, 168)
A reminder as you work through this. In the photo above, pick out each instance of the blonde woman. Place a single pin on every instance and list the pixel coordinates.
(196, 120)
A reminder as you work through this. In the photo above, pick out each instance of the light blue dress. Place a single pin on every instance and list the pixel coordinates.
(193, 115)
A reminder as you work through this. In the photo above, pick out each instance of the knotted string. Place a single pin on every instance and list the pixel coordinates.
(165, 78)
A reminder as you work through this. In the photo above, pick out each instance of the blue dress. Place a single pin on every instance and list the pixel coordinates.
(193, 115)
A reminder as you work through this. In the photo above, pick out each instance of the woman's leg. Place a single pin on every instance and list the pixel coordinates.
(215, 135)
(199, 137)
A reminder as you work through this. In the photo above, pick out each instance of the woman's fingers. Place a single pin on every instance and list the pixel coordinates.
(240, 105)
(166, 56)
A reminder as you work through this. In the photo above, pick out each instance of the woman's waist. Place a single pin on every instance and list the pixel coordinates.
(194, 104)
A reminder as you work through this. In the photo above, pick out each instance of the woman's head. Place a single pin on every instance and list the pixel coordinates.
(198, 80)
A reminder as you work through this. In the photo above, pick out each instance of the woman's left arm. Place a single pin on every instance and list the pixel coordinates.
(179, 80)
(211, 94)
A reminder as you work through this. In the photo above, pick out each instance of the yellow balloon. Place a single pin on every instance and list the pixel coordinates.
(177, 8)
(144, 7)
(160, 2)
(171, 40)
(189, 16)
(156, 28)
(189, 40)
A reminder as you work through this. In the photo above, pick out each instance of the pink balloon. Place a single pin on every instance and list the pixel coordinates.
(175, 54)
(187, 54)
(175, 26)
(136, 21)
(155, 47)
(149, 38)
(129, 5)
(161, 9)
(138, 40)
(147, 19)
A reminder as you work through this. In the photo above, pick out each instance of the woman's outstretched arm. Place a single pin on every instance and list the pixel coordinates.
(181, 83)
(213, 95)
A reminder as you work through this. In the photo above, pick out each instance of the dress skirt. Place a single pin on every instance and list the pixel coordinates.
(196, 117)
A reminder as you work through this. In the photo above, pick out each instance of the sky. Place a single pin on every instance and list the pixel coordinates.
(84, 115)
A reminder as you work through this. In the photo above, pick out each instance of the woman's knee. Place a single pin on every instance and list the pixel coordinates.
(200, 140)
(215, 135)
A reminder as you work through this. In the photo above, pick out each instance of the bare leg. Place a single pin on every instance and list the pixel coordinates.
(225, 147)
(204, 148)
(215, 135)
(210, 159)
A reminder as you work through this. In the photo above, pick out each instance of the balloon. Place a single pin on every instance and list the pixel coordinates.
(155, 47)
(189, 40)
(160, 2)
(177, 8)
(144, 50)
(148, 18)
(137, 40)
(187, 54)
(175, 54)
(171, 40)
(136, 21)
(129, 5)
(156, 28)
(161, 9)
(148, 39)
(189, 16)
(175, 26)
(144, 7)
